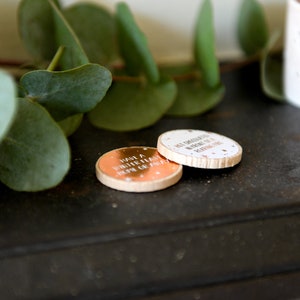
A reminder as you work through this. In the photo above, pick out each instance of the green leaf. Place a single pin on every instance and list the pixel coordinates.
(66, 93)
(35, 154)
(134, 47)
(132, 106)
(204, 46)
(36, 27)
(194, 98)
(71, 124)
(271, 68)
(252, 27)
(74, 54)
(8, 104)
(95, 28)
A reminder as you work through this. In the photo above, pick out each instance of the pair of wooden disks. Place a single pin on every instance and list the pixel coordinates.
(147, 169)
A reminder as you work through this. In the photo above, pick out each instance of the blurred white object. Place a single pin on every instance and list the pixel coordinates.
(292, 53)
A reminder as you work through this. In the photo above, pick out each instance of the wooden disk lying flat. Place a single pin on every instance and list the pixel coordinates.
(200, 149)
(137, 169)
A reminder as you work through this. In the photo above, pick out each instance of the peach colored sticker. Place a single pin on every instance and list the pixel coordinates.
(137, 169)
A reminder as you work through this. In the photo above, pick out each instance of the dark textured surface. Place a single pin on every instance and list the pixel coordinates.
(214, 228)
(284, 286)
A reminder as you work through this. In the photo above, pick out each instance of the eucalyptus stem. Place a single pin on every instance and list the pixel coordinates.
(129, 79)
(234, 65)
(56, 58)
(186, 76)
(10, 63)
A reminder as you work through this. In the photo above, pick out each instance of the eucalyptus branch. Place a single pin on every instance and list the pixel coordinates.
(128, 79)
(53, 64)
(235, 65)
(10, 63)
(135, 102)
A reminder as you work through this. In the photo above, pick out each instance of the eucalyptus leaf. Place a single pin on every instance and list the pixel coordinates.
(36, 27)
(71, 124)
(134, 47)
(96, 30)
(8, 104)
(194, 98)
(271, 68)
(252, 27)
(66, 93)
(133, 105)
(35, 154)
(204, 46)
(73, 55)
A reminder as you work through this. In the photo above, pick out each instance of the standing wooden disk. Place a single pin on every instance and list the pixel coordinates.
(200, 149)
(137, 169)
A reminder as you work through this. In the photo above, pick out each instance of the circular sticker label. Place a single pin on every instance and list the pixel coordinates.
(201, 149)
(137, 169)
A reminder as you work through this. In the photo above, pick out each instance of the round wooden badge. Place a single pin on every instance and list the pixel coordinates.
(200, 149)
(137, 169)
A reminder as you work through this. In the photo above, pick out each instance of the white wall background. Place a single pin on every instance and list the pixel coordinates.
(168, 25)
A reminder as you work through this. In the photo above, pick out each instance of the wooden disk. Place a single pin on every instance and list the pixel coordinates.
(137, 169)
(200, 149)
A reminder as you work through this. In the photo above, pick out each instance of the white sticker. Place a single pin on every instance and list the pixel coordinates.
(199, 148)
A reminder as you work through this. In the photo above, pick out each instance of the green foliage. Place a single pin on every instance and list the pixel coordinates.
(204, 46)
(202, 89)
(140, 100)
(70, 124)
(35, 20)
(8, 103)
(194, 98)
(66, 93)
(34, 150)
(272, 71)
(96, 29)
(133, 46)
(74, 54)
(254, 39)
(34, 155)
(135, 105)
(252, 27)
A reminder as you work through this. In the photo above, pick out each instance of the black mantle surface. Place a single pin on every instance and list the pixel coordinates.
(217, 234)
